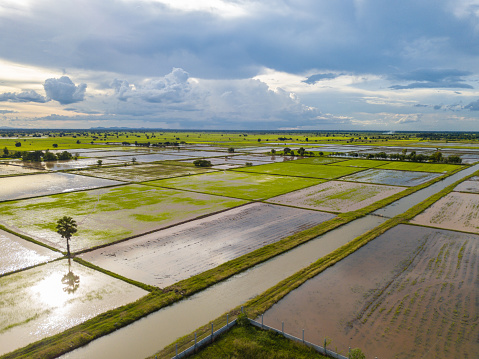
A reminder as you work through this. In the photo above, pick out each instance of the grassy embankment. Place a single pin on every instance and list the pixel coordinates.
(264, 301)
(114, 319)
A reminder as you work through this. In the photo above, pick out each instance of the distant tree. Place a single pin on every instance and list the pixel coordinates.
(248, 164)
(66, 227)
(65, 155)
(78, 142)
(133, 160)
(48, 156)
(231, 150)
(99, 163)
(273, 151)
(5, 151)
(18, 144)
(287, 150)
(202, 163)
(55, 145)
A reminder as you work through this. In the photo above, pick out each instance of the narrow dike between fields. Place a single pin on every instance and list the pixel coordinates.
(150, 334)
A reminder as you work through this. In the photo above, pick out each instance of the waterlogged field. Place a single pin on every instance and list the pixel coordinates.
(410, 293)
(17, 253)
(12, 188)
(471, 185)
(11, 170)
(244, 185)
(108, 215)
(168, 256)
(304, 170)
(457, 211)
(155, 157)
(337, 196)
(421, 167)
(49, 299)
(145, 172)
(392, 177)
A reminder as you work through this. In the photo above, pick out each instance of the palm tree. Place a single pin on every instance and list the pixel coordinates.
(66, 227)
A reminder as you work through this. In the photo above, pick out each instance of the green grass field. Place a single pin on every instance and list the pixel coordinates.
(244, 185)
(361, 163)
(305, 170)
(317, 161)
(108, 215)
(252, 343)
(421, 167)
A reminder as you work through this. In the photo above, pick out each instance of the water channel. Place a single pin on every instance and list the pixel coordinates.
(152, 333)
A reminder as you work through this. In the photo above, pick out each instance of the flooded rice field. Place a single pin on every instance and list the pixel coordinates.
(47, 183)
(238, 184)
(152, 333)
(195, 154)
(108, 215)
(471, 185)
(143, 172)
(392, 177)
(361, 163)
(12, 170)
(148, 158)
(304, 170)
(51, 298)
(17, 253)
(456, 211)
(410, 293)
(168, 256)
(337, 196)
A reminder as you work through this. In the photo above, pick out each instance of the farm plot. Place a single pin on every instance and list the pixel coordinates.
(11, 170)
(317, 161)
(168, 256)
(49, 299)
(313, 171)
(17, 253)
(111, 153)
(361, 163)
(421, 167)
(196, 154)
(471, 185)
(244, 185)
(337, 196)
(47, 183)
(108, 215)
(148, 158)
(391, 177)
(456, 211)
(410, 293)
(141, 173)
(79, 163)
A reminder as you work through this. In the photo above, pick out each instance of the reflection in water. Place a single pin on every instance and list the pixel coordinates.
(70, 281)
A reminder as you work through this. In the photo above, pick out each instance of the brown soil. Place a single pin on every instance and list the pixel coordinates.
(410, 293)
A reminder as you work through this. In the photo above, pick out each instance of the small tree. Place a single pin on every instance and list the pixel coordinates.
(231, 150)
(99, 163)
(66, 227)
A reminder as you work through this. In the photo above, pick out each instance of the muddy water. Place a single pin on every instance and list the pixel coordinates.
(150, 334)
(405, 203)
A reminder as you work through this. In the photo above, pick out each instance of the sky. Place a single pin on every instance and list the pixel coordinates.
(409, 65)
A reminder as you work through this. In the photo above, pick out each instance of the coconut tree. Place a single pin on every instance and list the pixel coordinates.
(66, 227)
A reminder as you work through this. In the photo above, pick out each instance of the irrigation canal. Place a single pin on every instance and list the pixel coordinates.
(152, 333)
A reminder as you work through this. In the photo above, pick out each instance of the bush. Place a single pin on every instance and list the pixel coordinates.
(202, 163)
(231, 150)
(356, 353)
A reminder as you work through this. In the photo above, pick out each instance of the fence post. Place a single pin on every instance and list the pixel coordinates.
(262, 326)
(282, 327)
(212, 332)
(241, 309)
(176, 350)
(195, 342)
(349, 353)
(227, 320)
(303, 336)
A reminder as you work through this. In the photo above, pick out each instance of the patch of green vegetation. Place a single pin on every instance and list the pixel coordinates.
(304, 170)
(237, 184)
(361, 163)
(108, 215)
(421, 167)
(253, 343)
(316, 161)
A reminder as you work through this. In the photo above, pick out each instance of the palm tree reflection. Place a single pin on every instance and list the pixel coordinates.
(70, 281)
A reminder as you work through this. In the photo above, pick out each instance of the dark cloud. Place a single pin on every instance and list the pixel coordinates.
(343, 35)
(64, 90)
(473, 106)
(25, 96)
(3, 112)
(432, 78)
(318, 77)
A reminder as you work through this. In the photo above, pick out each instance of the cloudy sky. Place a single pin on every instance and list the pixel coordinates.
(240, 64)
